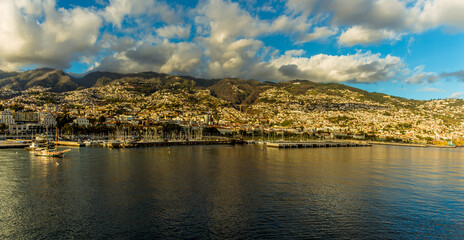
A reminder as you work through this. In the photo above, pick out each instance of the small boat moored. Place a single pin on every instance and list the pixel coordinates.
(50, 152)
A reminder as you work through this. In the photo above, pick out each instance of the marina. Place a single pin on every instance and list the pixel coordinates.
(124, 144)
(136, 144)
(185, 192)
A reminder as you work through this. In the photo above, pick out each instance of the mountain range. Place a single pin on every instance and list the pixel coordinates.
(234, 90)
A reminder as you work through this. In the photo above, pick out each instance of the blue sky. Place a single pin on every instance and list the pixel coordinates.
(407, 48)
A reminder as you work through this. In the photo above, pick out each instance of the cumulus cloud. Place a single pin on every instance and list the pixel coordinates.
(368, 21)
(421, 77)
(174, 32)
(319, 33)
(218, 38)
(37, 33)
(359, 12)
(361, 35)
(360, 67)
(118, 10)
(226, 20)
(166, 57)
(440, 13)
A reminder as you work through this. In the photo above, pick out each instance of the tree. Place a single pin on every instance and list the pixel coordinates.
(169, 128)
(211, 131)
(101, 119)
(62, 120)
(16, 107)
(68, 129)
(3, 127)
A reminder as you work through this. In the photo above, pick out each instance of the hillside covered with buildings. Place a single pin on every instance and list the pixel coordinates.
(34, 99)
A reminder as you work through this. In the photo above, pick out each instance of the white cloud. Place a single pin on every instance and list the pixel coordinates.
(118, 10)
(440, 13)
(36, 33)
(174, 32)
(359, 67)
(361, 35)
(319, 33)
(227, 38)
(232, 59)
(305, 7)
(226, 20)
(421, 77)
(370, 21)
(165, 57)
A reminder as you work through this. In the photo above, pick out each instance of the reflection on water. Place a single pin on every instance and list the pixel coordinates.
(233, 192)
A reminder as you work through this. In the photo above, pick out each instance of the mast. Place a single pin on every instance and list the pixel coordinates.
(46, 132)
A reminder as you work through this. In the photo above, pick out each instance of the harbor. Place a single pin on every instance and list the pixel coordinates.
(24, 143)
(158, 183)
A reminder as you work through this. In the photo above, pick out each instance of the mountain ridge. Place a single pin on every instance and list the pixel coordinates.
(235, 90)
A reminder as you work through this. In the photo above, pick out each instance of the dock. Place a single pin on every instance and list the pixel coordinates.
(316, 144)
(117, 144)
(13, 145)
(196, 142)
(69, 144)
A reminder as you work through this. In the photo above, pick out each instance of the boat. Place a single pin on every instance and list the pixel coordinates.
(37, 145)
(114, 144)
(32, 147)
(50, 152)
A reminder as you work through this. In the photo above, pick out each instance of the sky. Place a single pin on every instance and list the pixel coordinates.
(407, 48)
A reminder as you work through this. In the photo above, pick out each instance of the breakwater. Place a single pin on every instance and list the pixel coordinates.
(172, 143)
(316, 144)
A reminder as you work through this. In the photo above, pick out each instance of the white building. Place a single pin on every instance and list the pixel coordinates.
(81, 121)
(47, 119)
(7, 117)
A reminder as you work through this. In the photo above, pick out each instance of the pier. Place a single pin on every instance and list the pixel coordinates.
(316, 144)
(173, 143)
(69, 143)
(13, 145)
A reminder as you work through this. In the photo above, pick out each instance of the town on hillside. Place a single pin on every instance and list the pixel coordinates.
(278, 115)
(169, 107)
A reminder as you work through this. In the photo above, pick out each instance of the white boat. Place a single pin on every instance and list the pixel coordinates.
(35, 146)
(50, 152)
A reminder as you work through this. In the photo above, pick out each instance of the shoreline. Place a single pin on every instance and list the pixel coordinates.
(291, 144)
